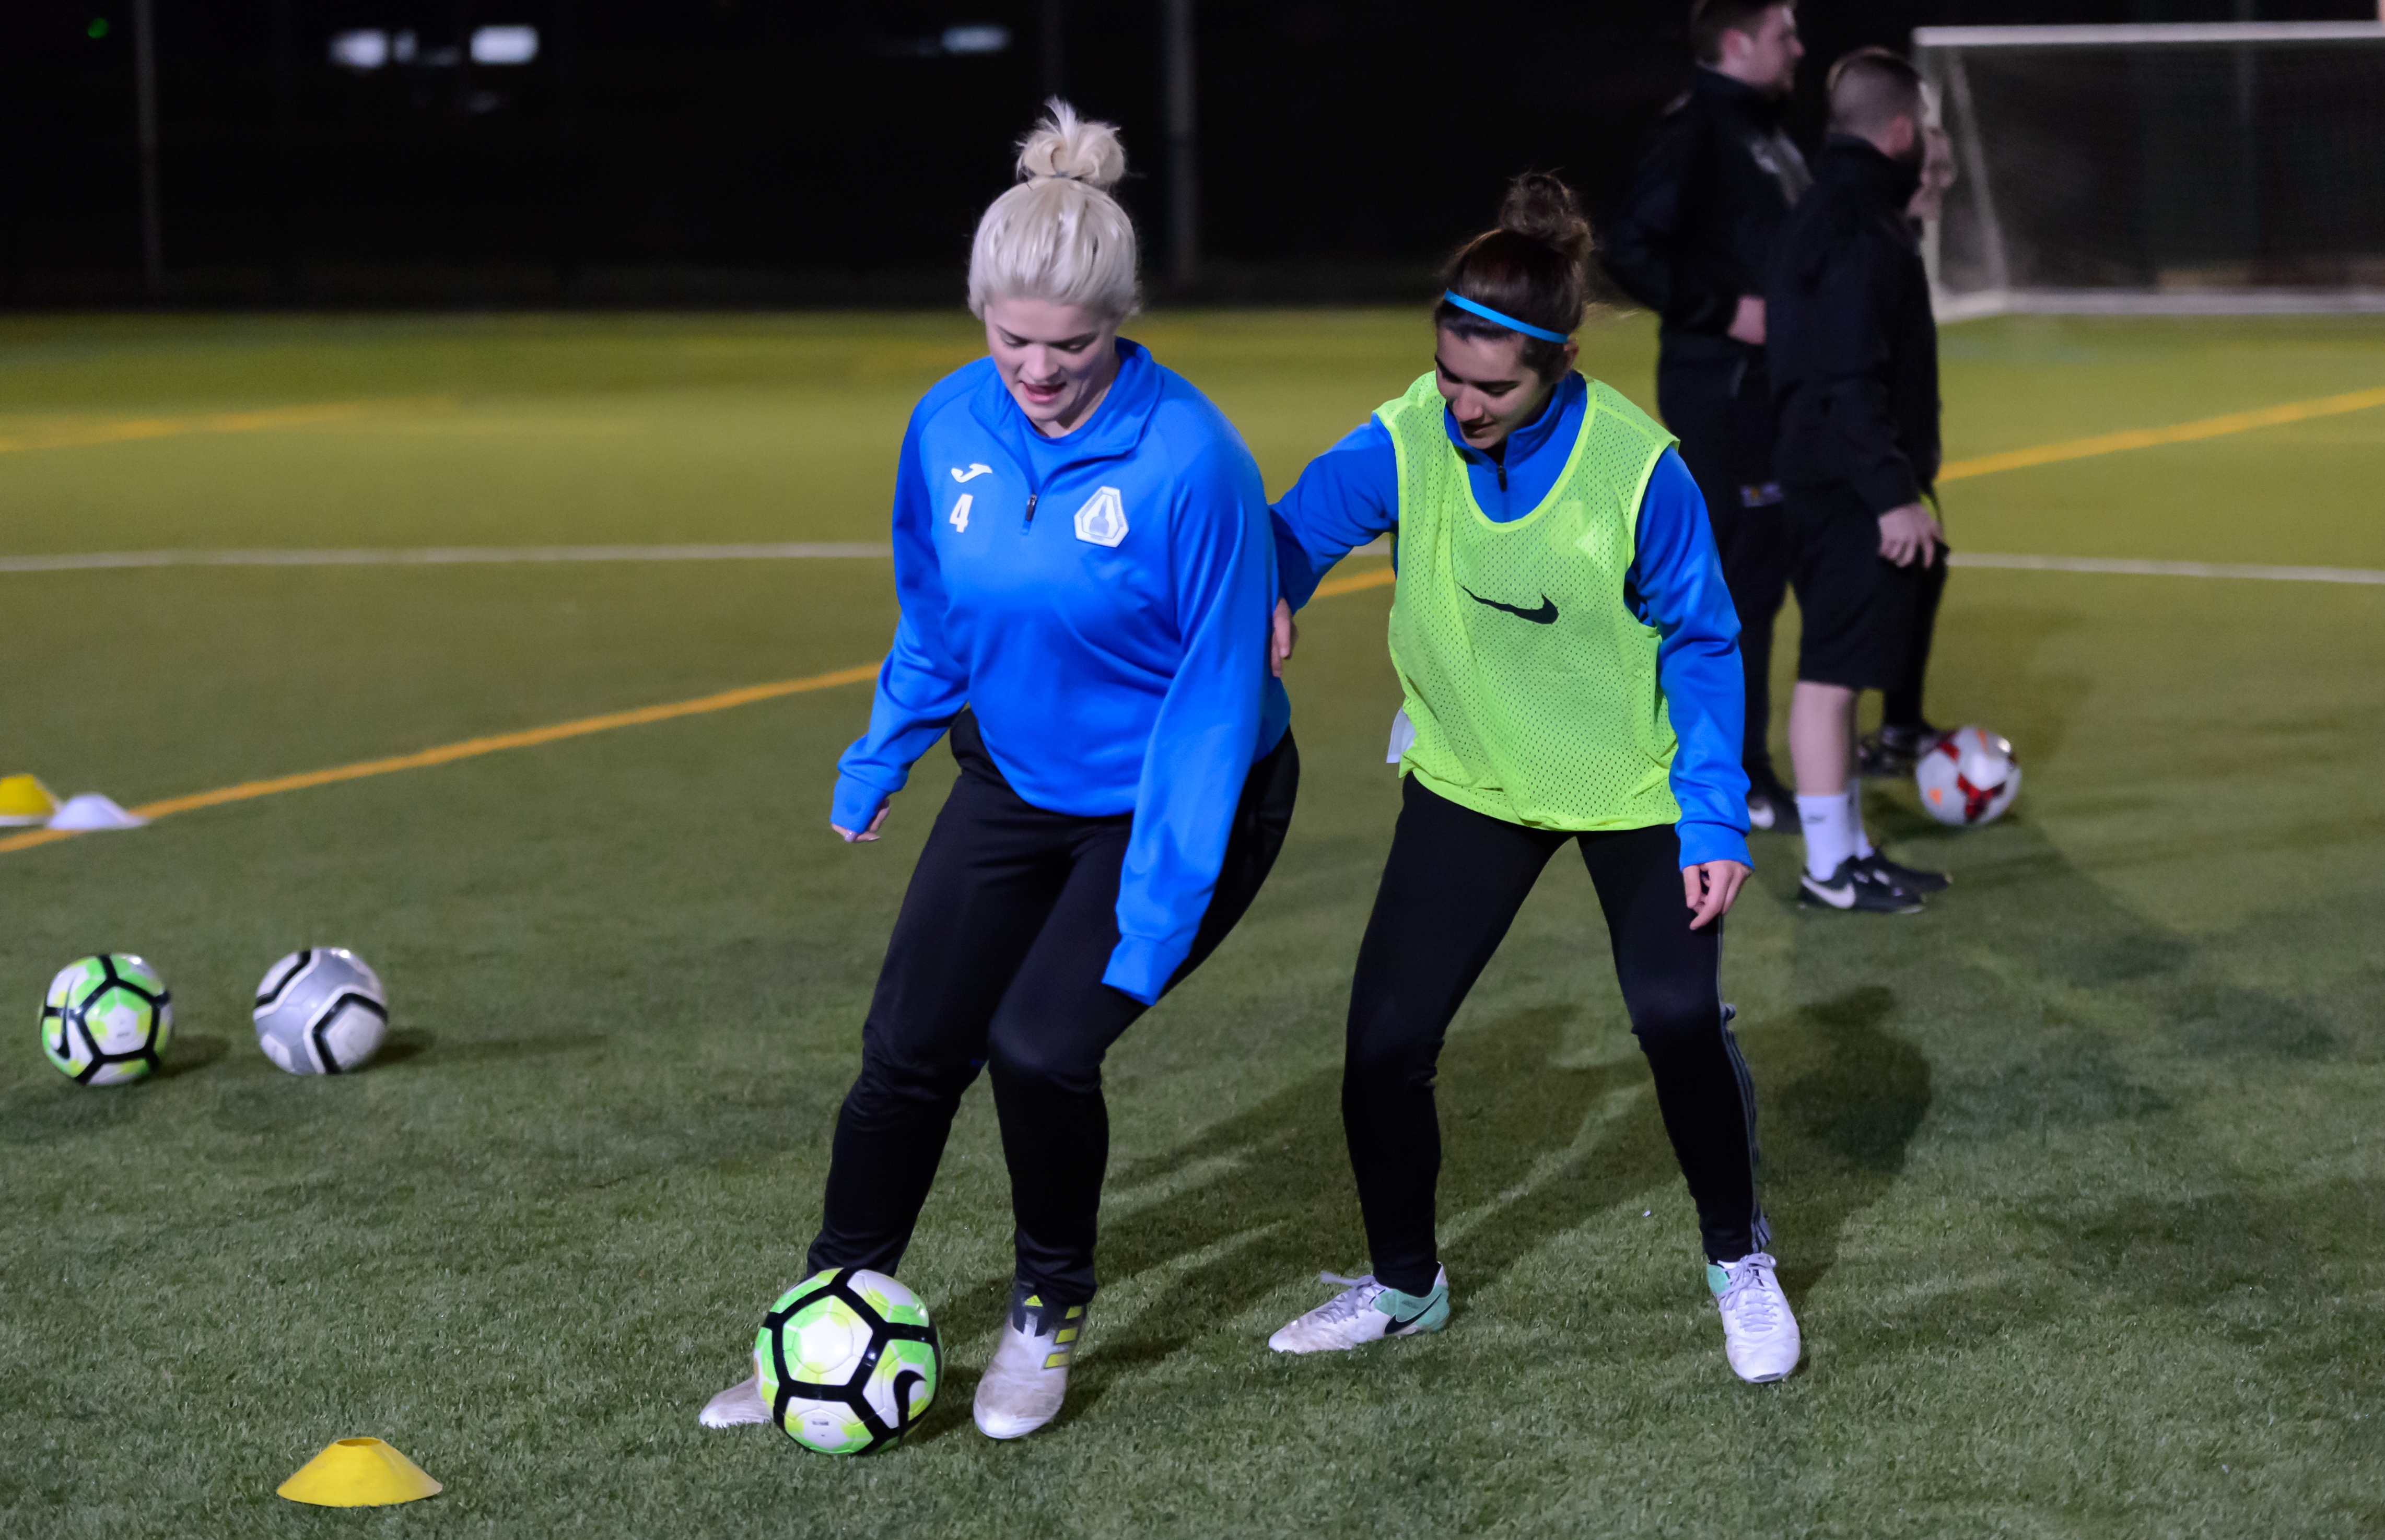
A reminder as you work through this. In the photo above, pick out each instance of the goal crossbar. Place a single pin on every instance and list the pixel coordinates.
(2163, 168)
(2149, 34)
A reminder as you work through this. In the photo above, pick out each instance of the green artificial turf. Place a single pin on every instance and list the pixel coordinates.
(2076, 1177)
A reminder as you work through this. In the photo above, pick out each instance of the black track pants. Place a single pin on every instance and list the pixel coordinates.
(1721, 410)
(996, 961)
(1451, 889)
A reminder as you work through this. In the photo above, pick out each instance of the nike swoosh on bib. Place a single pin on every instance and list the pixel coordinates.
(1545, 615)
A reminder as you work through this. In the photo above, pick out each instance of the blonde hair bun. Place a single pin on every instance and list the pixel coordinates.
(1069, 147)
(1059, 235)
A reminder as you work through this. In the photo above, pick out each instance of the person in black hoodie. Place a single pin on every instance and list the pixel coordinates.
(1905, 733)
(1854, 353)
(1691, 240)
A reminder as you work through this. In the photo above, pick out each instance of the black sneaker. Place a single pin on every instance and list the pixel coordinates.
(1911, 878)
(1855, 886)
(1774, 810)
(1876, 761)
(1770, 805)
(1891, 751)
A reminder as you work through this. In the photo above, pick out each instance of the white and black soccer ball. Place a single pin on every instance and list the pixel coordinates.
(1969, 777)
(321, 1012)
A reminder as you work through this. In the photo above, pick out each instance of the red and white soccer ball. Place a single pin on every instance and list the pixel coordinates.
(1969, 777)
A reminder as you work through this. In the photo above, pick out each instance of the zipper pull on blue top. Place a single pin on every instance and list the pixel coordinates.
(1031, 511)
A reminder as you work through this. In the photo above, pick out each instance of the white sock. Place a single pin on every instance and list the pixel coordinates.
(1855, 816)
(1828, 840)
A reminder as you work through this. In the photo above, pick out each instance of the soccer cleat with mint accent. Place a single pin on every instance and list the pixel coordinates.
(1857, 887)
(1029, 1378)
(1365, 1311)
(740, 1404)
(1759, 1332)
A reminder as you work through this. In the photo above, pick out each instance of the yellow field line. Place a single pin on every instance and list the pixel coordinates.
(2074, 449)
(2176, 433)
(472, 748)
(1333, 586)
(127, 428)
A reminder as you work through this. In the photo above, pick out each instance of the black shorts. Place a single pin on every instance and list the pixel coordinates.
(1721, 410)
(1858, 610)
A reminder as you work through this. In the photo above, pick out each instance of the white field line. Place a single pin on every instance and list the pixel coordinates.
(475, 554)
(1382, 547)
(2126, 568)
(1980, 303)
(454, 555)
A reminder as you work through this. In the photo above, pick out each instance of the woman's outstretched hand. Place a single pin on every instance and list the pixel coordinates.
(1708, 888)
(865, 836)
(1283, 637)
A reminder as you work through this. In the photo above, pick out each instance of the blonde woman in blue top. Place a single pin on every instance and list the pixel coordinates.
(1084, 561)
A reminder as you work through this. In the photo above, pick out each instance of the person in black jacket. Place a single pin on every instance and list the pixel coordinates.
(1905, 734)
(1854, 350)
(1690, 241)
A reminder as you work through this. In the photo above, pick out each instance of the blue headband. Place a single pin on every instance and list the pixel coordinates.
(1544, 333)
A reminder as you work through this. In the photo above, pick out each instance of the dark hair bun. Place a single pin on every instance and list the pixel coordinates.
(1541, 206)
(1532, 266)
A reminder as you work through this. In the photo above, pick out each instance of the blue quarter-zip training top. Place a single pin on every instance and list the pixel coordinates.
(1351, 494)
(1101, 601)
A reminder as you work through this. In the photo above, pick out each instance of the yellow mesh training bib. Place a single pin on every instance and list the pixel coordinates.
(1531, 686)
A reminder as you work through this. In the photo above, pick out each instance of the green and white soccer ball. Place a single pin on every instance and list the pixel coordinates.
(321, 1012)
(106, 1019)
(848, 1362)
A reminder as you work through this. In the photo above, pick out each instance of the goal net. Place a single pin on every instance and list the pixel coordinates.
(2173, 167)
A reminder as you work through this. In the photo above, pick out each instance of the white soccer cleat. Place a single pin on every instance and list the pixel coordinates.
(1759, 1332)
(1029, 1378)
(733, 1408)
(1365, 1311)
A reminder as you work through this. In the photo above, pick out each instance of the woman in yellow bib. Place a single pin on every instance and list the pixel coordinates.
(1568, 655)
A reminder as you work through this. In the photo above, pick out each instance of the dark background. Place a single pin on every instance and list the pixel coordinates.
(776, 152)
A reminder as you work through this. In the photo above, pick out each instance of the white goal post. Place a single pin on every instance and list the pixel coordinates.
(2221, 167)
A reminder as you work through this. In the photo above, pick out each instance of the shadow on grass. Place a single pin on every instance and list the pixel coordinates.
(956, 1397)
(2056, 1016)
(189, 1052)
(2054, 991)
(1283, 1193)
(1533, 1148)
(44, 1114)
(497, 1049)
(1839, 1100)
(1508, 1106)
(401, 1047)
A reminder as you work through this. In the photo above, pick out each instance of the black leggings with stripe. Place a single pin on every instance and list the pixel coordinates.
(1452, 887)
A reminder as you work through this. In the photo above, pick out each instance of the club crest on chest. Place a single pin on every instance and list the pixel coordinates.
(1101, 521)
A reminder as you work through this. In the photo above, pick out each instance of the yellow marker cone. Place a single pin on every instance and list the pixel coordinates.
(357, 1472)
(24, 799)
